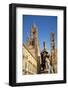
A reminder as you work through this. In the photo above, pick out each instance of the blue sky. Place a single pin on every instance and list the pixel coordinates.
(45, 25)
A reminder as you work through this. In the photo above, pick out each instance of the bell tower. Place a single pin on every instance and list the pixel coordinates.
(53, 53)
(36, 46)
(52, 48)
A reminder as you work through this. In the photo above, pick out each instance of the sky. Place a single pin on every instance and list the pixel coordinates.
(45, 25)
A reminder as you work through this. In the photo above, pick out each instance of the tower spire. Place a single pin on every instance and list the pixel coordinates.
(44, 45)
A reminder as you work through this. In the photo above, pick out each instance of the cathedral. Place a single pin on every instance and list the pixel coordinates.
(34, 60)
(31, 49)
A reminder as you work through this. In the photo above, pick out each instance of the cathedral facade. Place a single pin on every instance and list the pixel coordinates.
(31, 53)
